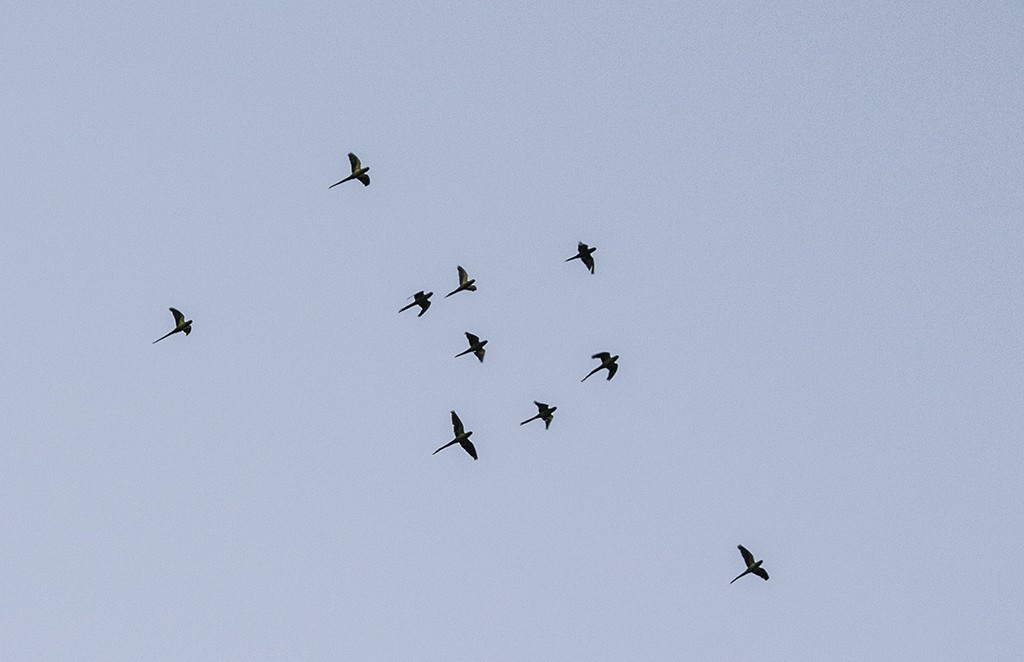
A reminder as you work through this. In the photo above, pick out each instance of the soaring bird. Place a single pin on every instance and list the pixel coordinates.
(545, 414)
(607, 361)
(358, 172)
(421, 299)
(465, 283)
(753, 567)
(180, 324)
(586, 254)
(461, 438)
(475, 345)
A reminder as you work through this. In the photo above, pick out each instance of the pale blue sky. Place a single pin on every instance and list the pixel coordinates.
(809, 259)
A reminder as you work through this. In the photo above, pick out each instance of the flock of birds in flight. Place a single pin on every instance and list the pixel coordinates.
(545, 412)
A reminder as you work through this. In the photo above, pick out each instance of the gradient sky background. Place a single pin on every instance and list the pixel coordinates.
(808, 223)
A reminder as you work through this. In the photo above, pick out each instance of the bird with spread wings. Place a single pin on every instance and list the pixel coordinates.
(461, 437)
(544, 413)
(358, 172)
(180, 324)
(753, 567)
(465, 283)
(475, 345)
(586, 255)
(607, 362)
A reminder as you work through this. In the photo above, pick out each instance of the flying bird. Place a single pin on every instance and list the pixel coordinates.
(180, 324)
(475, 345)
(586, 255)
(545, 413)
(461, 438)
(753, 567)
(421, 299)
(465, 283)
(607, 361)
(358, 172)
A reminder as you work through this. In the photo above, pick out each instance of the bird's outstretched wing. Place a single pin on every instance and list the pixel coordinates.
(748, 558)
(364, 178)
(540, 405)
(588, 261)
(480, 353)
(583, 248)
(354, 160)
(611, 370)
(760, 572)
(471, 338)
(468, 446)
(463, 276)
(457, 424)
(604, 356)
(179, 319)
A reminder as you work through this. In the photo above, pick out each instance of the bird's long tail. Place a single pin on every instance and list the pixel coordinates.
(741, 574)
(162, 337)
(530, 419)
(453, 441)
(341, 182)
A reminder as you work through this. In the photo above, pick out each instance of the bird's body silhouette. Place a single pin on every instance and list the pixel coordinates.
(475, 345)
(607, 362)
(585, 255)
(545, 413)
(180, 324)
(753, 567)
(465, 283)
(358, 172)
(461, 437)
(421, 299)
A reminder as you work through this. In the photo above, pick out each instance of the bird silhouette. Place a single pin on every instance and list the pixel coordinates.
(421, 299)
(753, 567)
(475, 345)
(607, 361)
(465, 283)
(545, 413)
(461, 438)
(586, 255)
(180, 324)
(358, 172)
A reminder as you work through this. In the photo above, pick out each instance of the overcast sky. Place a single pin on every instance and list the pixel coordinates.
(808, 222)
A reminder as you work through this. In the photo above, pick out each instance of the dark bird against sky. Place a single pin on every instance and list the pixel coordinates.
(421, 299)
(545, 413)
(180, 324)
(607, 362)
(461, 437)
(465, 283)
(475, 345)
(358, 172)
(586, 255)
(753, 567)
